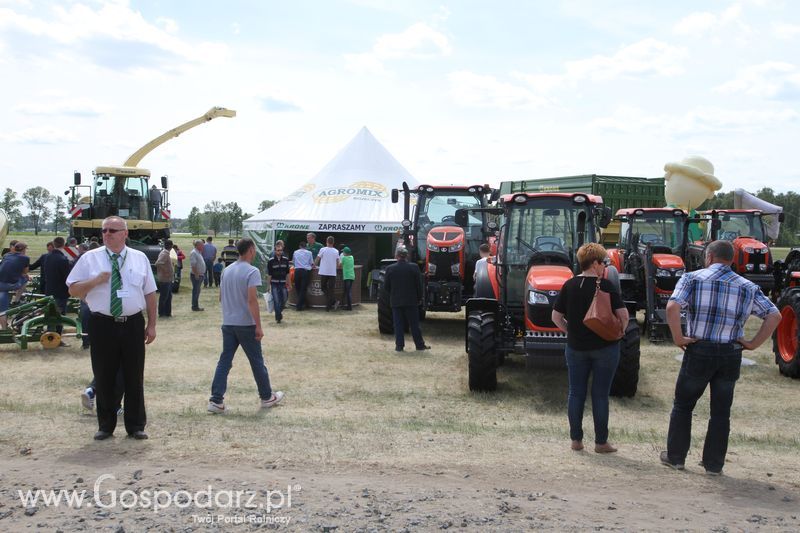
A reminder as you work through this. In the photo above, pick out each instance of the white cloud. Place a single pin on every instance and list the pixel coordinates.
(708, 120)
(39, 135)
(88, 30)
(786, 31)
(773, 79)
(418, 41)
(74, 107)
(703, 23)
(475, 90)
(646, 58)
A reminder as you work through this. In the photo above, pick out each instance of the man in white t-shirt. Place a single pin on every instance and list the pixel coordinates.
(327, 260)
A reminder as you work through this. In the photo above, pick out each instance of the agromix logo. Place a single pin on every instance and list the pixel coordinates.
(360, 190)
(299, 193)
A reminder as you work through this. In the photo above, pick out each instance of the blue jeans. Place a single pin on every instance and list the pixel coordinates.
(208, 280)
(279, 296)
(196, 283)
(408, 314)
(232, 338)
(6, 288)
(164, 298)
(602, 364)
(704, 363)
(348, 294)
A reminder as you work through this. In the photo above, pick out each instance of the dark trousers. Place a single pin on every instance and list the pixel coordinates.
(301, 279)
(217, 278)
(704, 363)
(119, 389)
(196, 284)
(208, 281)
(164, 298)
(85, 315)
(61, 303)
(407, 314)
(348, 294)
(115, 345)
(328, 283)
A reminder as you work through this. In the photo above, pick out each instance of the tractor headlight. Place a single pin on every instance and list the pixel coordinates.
(432, 248)
(455, 269)
(663, 273)
(432, 269)
(537, 298)
(749, 267)
(762, 268)
(748, 249)
(680, 272)
(457, 246)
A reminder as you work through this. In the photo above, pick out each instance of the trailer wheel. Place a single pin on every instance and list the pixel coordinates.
(385, 320)
(626, 379)
(785, 339)
(481, 351)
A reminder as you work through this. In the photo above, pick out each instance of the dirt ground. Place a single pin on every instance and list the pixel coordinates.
(370, 440)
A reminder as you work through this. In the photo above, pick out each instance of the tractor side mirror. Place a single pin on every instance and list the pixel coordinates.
(605, 217)
(395, 196)
(781, 216)
(406, 223)
(164, 182)
(462, 217)
(495, 195)
(76, 178)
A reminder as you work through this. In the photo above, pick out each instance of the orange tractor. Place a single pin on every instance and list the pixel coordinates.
(540, 234)
(787, 296)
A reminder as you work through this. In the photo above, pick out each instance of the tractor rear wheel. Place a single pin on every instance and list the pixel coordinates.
(785, 339)
(626, 379)
(385, 319)
(481, 348)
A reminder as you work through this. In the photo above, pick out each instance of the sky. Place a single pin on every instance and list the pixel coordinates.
(460, 92)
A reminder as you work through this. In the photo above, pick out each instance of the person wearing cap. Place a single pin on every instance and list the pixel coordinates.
(13, 277)
(118, 285)
(348, 276)
(403, 284)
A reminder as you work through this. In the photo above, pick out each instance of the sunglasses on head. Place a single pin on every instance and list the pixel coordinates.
(111, 230)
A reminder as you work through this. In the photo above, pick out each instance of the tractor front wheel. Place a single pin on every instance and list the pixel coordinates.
(626, 379)
(785, 339)
(481, 348)
(385, 319)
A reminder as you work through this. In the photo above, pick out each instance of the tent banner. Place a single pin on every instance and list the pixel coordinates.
(350, 227)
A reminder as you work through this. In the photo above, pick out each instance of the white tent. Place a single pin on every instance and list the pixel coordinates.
(352, 194)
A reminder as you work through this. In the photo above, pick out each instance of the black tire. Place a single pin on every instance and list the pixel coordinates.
(385, 319)
(786, 339)
(626, 379)
(481, 345)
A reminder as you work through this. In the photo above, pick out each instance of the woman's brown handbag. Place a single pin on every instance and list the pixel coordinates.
(601, 319)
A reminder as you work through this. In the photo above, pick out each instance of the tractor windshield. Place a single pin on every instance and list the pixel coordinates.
(655, 228)
(123, 196)
(736, 225)
(439, 209)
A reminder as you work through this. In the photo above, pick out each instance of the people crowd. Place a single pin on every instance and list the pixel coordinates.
(121, 302)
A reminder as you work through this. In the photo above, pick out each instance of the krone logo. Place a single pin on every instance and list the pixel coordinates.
(360, 190)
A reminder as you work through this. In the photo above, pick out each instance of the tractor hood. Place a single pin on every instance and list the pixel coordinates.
(445, 236)
(548, 277)
(741, 243)
(667, 261)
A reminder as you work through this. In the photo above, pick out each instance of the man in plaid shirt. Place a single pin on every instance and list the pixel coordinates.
(718, 302)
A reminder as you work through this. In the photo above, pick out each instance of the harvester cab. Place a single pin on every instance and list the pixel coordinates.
(515, 291)
(746, 230)
(650, 259)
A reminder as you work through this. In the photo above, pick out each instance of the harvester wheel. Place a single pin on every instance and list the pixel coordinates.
(385, 320)
(785, 339)
(481, 344)
(626, 379)
(50, 339)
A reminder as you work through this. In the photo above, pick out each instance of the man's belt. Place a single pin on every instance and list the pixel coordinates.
(119, 319)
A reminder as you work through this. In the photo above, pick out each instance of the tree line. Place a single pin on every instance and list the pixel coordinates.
(38, 209)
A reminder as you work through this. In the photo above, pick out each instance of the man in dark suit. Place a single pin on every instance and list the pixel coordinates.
(55, 270)
(403, 283)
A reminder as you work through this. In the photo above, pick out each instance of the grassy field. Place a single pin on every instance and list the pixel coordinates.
(352, 401)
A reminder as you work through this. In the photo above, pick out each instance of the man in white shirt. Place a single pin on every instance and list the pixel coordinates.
(198, 273)
(327, 260)
(303, 263)
(117, 284)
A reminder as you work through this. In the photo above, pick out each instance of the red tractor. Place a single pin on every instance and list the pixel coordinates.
(650, 261)
(515, 291)
(787, 295)
(445, 252)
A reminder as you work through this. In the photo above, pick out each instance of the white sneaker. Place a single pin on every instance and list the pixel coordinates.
(277, 397)
(216, 408)
(87, 399)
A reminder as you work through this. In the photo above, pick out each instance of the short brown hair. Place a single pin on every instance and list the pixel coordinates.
(589, 253)
(330, 240)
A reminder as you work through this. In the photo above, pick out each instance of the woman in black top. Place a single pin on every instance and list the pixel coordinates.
(586, 352)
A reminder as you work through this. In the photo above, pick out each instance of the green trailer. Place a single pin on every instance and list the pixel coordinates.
(617, 191)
